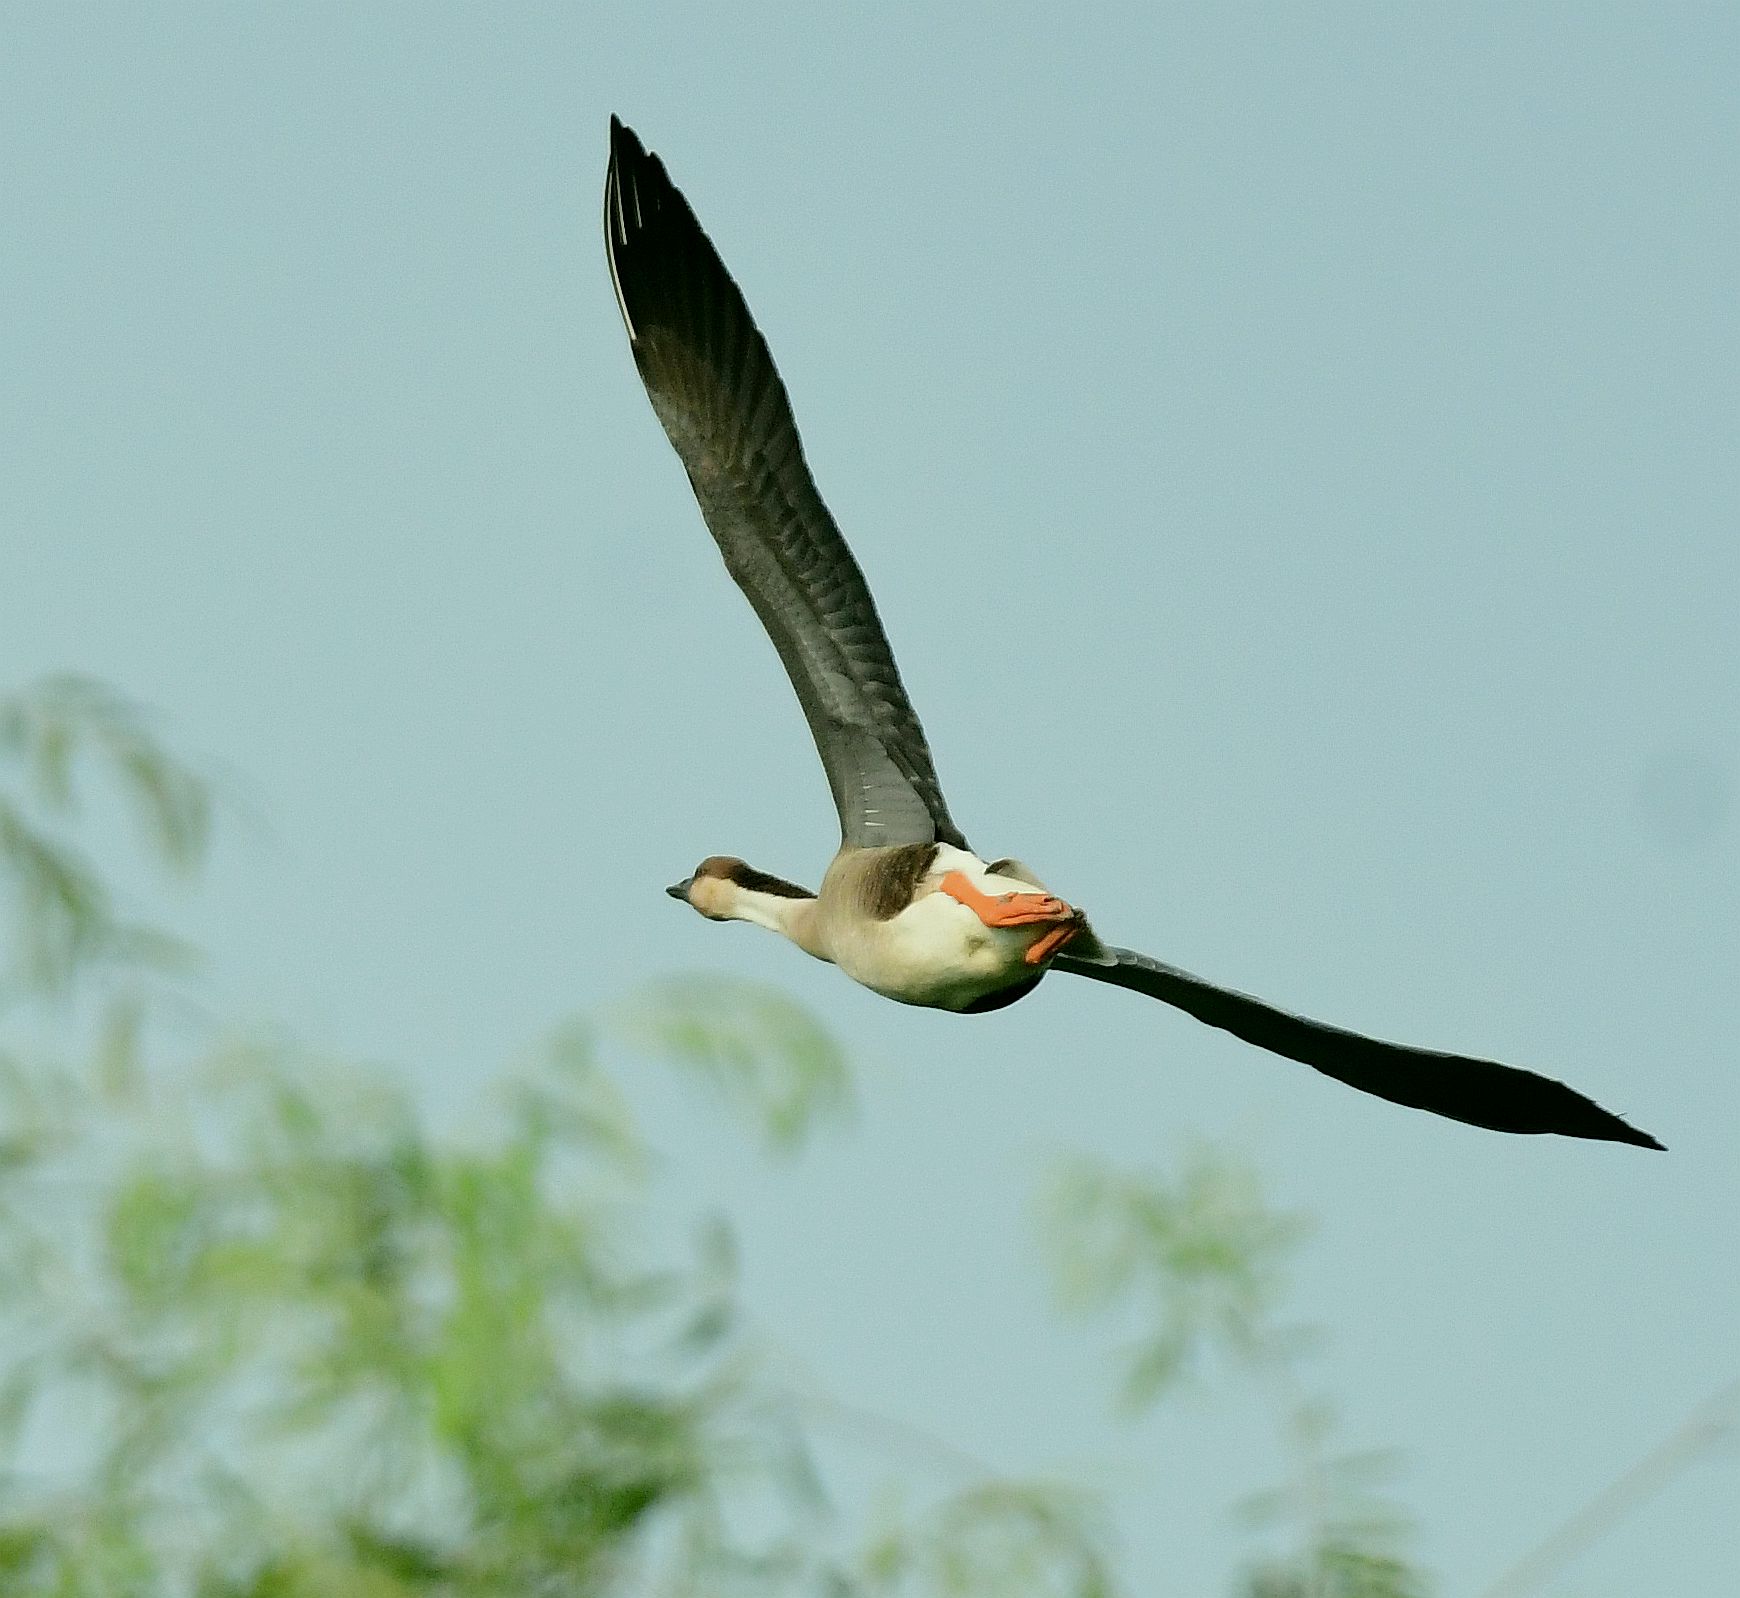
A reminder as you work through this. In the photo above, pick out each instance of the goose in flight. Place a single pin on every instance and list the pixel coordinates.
(906, 907)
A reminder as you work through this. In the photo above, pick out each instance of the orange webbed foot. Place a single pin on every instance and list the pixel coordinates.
(1004, 909)
(1048, 943)
(1062, 921)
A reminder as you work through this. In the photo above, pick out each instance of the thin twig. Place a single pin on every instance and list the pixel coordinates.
(874, 1428)
(1706, 1425)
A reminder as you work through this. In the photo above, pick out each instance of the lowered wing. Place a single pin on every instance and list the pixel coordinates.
(1480, 1092)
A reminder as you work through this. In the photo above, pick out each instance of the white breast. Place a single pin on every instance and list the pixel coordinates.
(937, 952)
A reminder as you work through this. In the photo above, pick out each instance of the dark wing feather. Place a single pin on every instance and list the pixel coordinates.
(712, 381)
(1481, 1092)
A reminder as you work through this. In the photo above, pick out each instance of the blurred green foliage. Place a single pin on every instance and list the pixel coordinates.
(1197, 1262)
(266, 1334)
(61, 919)
(765, 1055)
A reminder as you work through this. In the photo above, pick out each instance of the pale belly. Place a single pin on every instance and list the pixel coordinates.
(937, 952)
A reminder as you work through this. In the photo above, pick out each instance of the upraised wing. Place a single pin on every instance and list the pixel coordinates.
(1480, 1092)
(713, 384)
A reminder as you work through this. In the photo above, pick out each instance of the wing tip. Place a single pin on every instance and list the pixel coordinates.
(641, 205)
(625, 149)
(624, 140)
(1636, 1137)
(1580, 1116)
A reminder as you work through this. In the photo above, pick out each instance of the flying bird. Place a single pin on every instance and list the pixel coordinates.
(906, 907)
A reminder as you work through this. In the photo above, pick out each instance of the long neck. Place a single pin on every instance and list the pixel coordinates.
(778, 912)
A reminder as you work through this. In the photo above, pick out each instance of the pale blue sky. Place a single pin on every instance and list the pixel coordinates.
(1345, 400)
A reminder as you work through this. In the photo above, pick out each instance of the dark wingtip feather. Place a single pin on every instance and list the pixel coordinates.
(658, 255)
(1575, 1115)
(624, 142)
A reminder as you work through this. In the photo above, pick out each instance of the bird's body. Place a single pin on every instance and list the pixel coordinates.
(882, 917)
(934, 950)
(906, 908)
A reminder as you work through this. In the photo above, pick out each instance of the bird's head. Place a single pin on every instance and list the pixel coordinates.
(724, 888)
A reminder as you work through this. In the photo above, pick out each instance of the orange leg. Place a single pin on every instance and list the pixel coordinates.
(1062, 921)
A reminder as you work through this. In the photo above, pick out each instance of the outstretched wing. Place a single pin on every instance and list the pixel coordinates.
(1481, 1092)
(713, 384)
